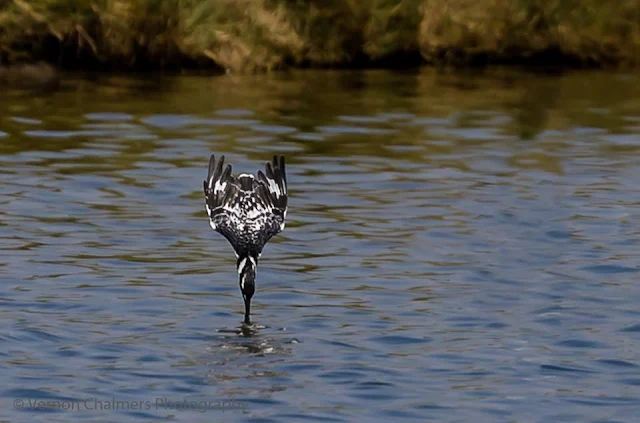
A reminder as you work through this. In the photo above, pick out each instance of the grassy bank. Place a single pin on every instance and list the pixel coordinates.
(256, 35)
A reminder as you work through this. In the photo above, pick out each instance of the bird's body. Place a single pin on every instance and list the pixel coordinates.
(248, 211)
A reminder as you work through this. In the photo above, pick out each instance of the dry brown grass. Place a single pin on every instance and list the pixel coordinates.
(585, 31)
(256, 35)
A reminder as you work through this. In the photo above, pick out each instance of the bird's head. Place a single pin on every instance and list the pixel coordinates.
(247, 267)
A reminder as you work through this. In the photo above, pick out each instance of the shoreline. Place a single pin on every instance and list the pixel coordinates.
(42, 74)
(45, 73)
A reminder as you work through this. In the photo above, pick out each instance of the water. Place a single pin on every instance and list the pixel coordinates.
(460, 247)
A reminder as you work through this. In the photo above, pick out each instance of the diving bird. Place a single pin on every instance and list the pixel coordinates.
(248, 211)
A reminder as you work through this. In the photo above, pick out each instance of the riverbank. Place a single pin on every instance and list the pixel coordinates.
(263, 35)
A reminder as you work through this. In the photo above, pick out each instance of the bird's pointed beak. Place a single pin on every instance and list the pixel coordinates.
(247, 309)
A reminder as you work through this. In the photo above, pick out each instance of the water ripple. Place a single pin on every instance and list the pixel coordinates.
(451, 253)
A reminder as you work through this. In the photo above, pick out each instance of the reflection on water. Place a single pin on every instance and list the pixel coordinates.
(460, 246)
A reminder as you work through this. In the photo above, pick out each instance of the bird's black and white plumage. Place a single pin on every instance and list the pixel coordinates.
(248, 211)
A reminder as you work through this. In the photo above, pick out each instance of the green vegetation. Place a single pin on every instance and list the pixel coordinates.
(255, 35)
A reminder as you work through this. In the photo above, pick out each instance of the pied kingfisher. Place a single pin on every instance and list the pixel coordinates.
(248, 211)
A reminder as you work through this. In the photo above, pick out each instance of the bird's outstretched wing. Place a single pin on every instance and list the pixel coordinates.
(220, 189)
(216, 186)
(272, 191)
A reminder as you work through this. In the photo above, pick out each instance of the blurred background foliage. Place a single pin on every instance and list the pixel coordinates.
(260, 35)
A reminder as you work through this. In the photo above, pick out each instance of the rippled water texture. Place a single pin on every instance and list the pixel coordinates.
(460, 247)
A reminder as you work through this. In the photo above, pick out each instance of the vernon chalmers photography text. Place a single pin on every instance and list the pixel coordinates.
(112, 404)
